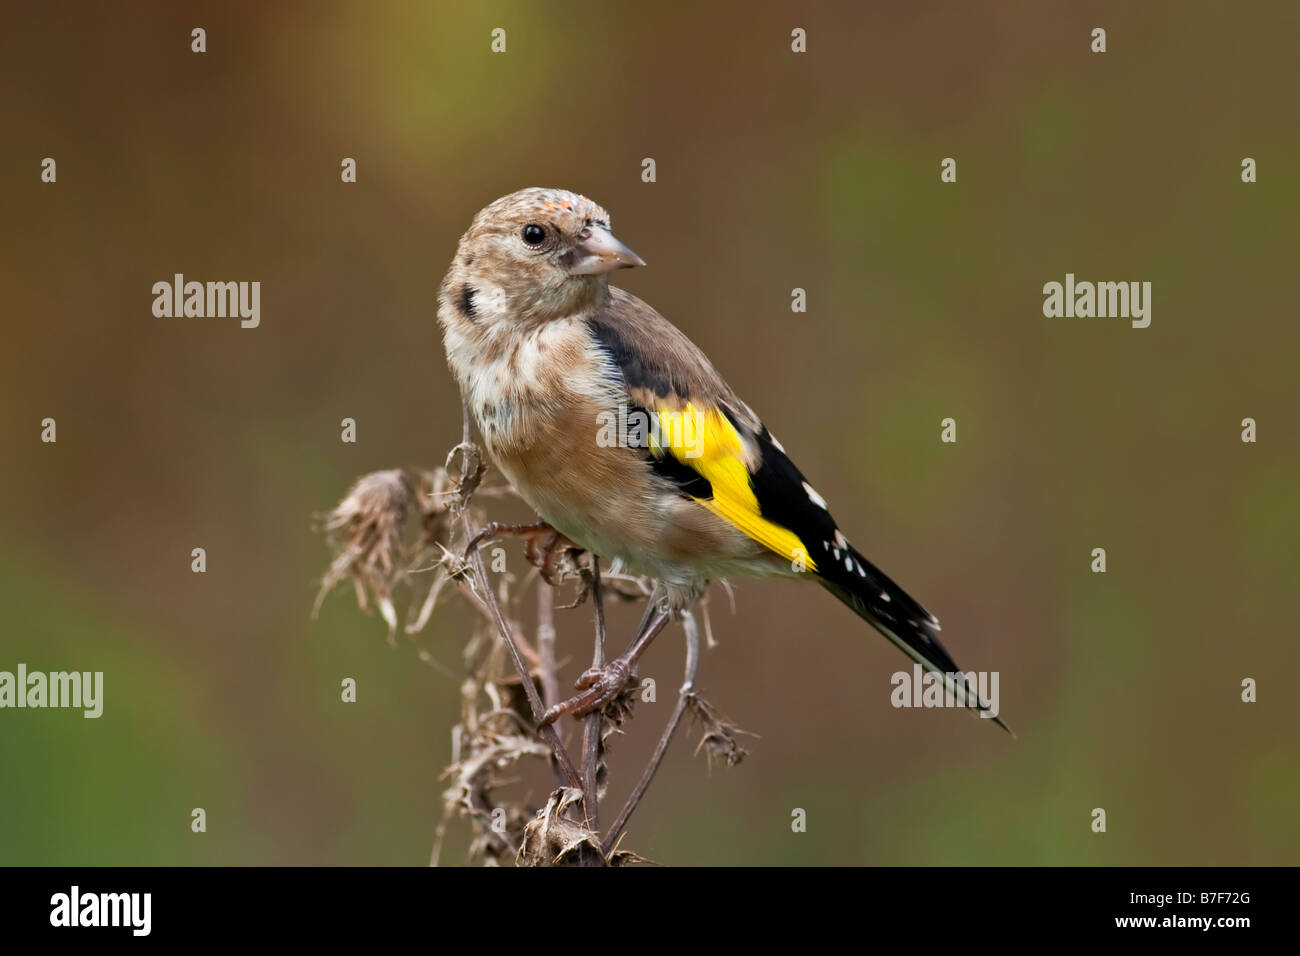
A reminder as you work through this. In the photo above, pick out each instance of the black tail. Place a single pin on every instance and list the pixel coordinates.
(896, 614)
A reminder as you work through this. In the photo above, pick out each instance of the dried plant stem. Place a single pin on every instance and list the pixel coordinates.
(683, 696)
(546, 643)
(548, 733)
(547, 667)
(591, 741)
(365, 532)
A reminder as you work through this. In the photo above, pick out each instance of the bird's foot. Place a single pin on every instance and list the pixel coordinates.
(545, 550)
(598, 686)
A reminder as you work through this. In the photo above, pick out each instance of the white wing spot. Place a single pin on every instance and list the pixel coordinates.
(884, 595)
(815, 498)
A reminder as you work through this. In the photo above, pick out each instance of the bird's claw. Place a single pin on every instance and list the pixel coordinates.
(598, 686)
(544, 549)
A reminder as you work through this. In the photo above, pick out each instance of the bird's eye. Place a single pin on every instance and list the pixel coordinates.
(533, 234)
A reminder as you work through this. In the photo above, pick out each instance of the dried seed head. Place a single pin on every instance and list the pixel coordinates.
(365, 531)
(551, 839)
(719, 740)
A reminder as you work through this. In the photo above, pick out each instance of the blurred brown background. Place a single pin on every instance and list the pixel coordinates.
(775, 170)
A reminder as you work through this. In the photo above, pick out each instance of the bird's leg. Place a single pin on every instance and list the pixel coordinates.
(496, 529)
(543, 545)
(600, 685)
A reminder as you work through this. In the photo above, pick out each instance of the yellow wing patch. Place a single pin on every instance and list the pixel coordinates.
(706, 441)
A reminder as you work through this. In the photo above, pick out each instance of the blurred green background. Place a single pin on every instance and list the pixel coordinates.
(775, 171)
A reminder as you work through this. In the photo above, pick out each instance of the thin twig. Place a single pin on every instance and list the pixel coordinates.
(548, 733)
(546, 652)
(469, 590)
(595, 720)
(683, 695)
(546, 642)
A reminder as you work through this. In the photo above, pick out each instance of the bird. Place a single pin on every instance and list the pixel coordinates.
(619, 432)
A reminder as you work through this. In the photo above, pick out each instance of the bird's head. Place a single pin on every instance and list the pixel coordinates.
(534, 255)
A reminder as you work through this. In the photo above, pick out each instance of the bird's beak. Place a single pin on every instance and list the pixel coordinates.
(598, 251)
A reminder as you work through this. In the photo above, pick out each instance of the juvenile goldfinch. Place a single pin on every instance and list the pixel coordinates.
(623, 437)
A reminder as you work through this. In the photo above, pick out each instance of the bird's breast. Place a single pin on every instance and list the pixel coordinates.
(526, 387)
(537, 397)
(542, 401)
